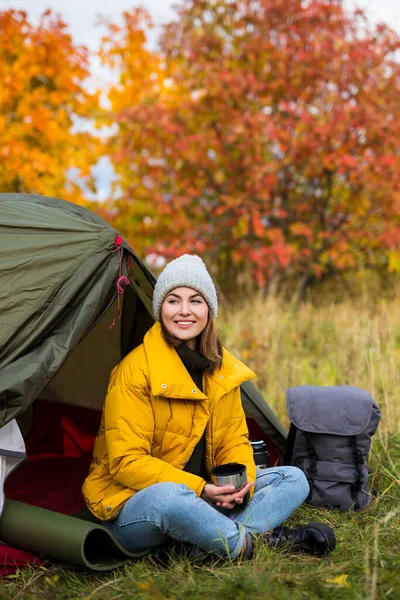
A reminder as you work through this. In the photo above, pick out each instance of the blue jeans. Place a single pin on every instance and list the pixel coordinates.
(163, 511)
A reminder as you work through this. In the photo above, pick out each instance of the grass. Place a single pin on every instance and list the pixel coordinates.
(347, 343)
(336, 344)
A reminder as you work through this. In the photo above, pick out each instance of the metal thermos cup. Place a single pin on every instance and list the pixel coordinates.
(229, 474)
(261, 454)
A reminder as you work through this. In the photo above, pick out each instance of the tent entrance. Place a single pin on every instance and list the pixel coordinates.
(59, 450)
(61, 425)
(83, 378)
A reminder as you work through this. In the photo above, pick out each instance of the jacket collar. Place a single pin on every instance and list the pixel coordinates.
(167, 373)
(168, 376)
(231, 374)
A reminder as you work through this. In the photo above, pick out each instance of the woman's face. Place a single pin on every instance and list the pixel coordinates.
(184, 313)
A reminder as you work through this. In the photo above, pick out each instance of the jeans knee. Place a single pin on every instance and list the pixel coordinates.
(166, 496)
(300, 481)
(167, 491)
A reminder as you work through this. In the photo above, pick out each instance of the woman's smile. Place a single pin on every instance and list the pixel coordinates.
(184, 323)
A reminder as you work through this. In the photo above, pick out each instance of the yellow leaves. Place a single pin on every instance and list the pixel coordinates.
(141, 72)
(152, 592)
(394, 261)
(339, 581)
(219, 176)
(143, 586)
(241, 228)
(51, 581)
(301, 229)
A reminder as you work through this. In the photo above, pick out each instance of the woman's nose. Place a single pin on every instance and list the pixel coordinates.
(185, 308)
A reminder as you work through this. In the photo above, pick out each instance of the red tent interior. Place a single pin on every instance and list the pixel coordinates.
(59, 449)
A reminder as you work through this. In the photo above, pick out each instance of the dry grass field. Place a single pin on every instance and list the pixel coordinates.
(350, 343)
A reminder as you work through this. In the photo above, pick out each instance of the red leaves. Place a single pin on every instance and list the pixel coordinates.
(276, 140)
(348, 161)
(388, 160)
(258, 225)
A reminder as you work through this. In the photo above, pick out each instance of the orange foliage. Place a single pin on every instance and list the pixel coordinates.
(42, 98)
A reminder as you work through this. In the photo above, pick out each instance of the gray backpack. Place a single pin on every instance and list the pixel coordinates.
(329, 439)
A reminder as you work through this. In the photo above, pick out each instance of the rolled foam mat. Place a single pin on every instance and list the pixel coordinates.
(61, 537)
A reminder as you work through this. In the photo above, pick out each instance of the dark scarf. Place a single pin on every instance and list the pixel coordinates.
(195, 363)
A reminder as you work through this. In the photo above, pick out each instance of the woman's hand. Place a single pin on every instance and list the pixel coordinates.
(225, 495)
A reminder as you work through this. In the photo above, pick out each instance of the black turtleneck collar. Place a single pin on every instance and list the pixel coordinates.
(195, 363)
(192, 358)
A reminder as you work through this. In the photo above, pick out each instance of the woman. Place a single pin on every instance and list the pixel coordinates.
(172, 412)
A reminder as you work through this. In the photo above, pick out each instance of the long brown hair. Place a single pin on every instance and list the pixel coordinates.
(208, 343)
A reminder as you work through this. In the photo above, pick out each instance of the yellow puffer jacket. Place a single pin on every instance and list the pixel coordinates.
(153, 417)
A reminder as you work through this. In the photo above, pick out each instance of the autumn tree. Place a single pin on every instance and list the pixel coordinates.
(44, 104)
(267, 134)
(140, 74)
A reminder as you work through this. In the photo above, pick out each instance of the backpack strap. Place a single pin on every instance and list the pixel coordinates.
(288, 452)
(359, 462)
(312, 466)
(288, 455)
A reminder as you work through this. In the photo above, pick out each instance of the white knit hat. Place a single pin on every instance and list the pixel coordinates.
(186, 271)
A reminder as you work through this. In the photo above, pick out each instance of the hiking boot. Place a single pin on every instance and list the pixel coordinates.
(314, 538)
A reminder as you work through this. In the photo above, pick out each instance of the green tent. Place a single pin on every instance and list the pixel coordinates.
(74, 299)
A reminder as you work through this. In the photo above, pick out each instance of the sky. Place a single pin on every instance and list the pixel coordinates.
(82, 15)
